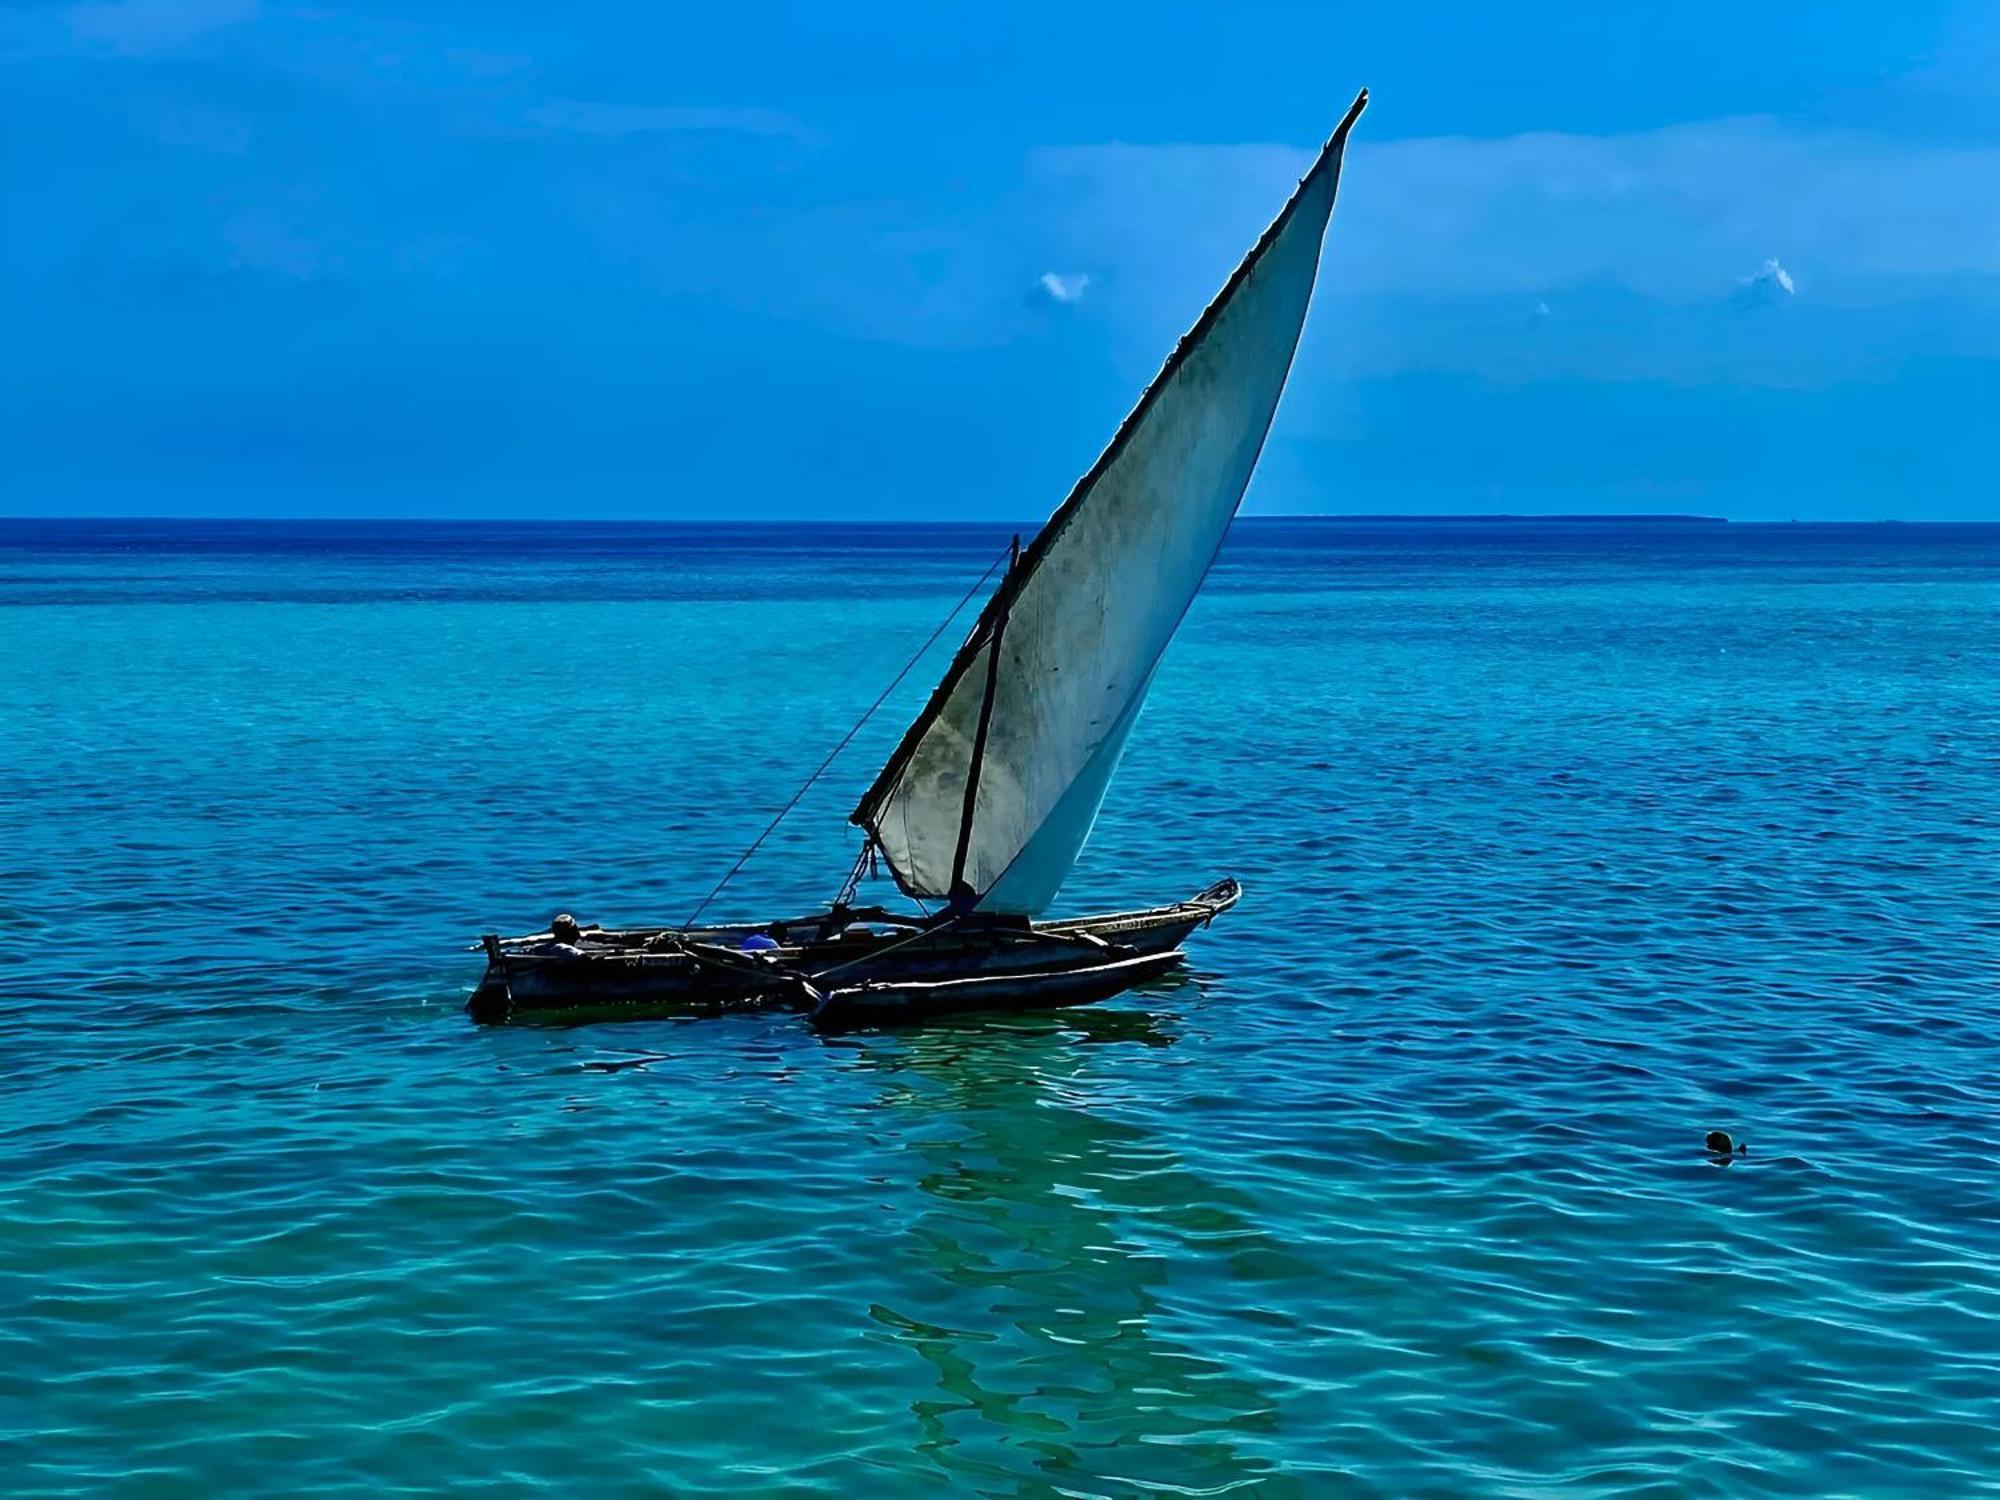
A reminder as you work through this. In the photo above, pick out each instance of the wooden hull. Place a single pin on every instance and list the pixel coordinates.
(907, 1002)
(616, 975)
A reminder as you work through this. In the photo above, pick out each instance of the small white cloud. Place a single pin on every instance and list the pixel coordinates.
(1770, 283)
(1541, 309)
(589, 117)
(1066, 288)
(279, 239)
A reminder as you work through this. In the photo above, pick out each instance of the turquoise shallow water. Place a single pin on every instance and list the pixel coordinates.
(1563, 844)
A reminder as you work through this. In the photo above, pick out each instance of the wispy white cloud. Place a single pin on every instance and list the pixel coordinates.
(1063, 287)
(475, 63)
(1667, 214)
(281, 239)
(591, 117)
(200, 128)
(1649, 242)
(136, 27)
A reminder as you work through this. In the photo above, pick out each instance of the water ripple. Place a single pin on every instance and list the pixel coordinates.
(1559, 853)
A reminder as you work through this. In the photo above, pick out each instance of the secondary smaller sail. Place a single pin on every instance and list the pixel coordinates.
(994, 788)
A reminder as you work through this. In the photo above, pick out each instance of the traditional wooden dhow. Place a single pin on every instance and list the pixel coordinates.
(589, 973)
(981, 810)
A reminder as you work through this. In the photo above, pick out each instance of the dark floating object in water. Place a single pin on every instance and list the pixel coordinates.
(983, 806)
(1720, 1144)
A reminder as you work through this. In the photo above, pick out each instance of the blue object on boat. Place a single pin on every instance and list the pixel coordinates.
(756, 943)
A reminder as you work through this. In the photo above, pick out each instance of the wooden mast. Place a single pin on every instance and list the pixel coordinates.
(962, 895)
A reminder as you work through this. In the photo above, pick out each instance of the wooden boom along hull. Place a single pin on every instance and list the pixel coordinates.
(645, 972)
(909, 1001)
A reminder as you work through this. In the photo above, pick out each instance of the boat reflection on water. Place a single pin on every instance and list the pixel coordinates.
(1038, 1267)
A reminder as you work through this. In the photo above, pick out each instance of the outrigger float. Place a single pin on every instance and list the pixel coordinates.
(992, 791)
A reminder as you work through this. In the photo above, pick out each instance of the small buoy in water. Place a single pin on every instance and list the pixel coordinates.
(1721, 1145)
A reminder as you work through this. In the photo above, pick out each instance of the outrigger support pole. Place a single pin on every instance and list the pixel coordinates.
(852, 884)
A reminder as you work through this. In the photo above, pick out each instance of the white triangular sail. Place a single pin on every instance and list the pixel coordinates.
(1082, 619)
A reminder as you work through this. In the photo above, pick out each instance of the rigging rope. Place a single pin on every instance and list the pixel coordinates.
(894, 682)
(839, 968)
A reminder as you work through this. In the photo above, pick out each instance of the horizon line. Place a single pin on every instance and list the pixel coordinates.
(1658, 517)
(1676, 518)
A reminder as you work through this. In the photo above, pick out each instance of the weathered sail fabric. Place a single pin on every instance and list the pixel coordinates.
(1083, 619)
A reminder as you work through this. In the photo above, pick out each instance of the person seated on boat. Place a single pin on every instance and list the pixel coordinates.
(565, 937)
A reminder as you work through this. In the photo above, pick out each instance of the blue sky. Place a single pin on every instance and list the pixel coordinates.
(917, 260)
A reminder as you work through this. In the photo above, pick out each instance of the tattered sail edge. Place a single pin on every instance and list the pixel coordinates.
(889, 778)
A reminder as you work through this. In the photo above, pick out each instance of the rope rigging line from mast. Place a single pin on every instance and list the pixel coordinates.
(904, 942)
(894, 682)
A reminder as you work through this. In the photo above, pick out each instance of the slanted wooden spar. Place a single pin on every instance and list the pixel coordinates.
(988, 798)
